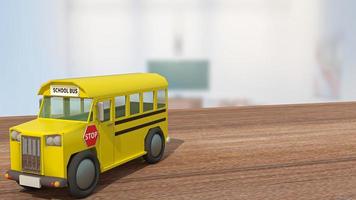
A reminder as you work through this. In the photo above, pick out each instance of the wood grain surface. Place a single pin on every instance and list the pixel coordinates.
(263, 152)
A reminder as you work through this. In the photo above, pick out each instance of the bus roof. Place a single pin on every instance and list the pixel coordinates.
(101, 86)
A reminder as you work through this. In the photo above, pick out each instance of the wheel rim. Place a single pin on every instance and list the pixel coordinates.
(85, 174)
(156, 145)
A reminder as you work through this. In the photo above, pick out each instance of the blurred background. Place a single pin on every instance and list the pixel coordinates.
(213, 52)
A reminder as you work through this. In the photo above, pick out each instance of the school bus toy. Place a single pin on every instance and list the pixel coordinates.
(89, 125)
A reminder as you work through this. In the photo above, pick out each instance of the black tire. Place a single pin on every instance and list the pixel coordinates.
(80, 188)
(153, 156)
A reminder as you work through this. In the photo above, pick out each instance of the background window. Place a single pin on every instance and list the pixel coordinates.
(134, 103)
(147, 101)
(106, 110)
(183, 74)
(120, 106)
(161, 98)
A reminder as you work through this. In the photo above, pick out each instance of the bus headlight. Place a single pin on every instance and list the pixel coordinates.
(15, 136)
(53, 140)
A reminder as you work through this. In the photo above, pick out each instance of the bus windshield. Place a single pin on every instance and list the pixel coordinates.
(68, 108)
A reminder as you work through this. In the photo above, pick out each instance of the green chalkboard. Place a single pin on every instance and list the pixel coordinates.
(183, 75)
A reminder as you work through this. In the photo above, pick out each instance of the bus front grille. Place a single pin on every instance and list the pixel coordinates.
(31, 154)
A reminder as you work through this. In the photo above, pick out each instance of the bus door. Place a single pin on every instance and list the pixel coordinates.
(127, 135)
(106, 131)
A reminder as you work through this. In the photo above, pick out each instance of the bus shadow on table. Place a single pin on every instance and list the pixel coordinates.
(106, 178)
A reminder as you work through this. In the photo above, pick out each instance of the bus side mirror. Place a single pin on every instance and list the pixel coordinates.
(100, 111)
(40, 102)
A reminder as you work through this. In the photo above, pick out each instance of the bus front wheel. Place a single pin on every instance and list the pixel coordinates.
(154, 146)
(83, 174)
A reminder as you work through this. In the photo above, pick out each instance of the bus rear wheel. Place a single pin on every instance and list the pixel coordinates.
(154, 146)
(83, 174)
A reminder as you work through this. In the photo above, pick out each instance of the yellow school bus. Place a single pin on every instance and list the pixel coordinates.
(89, 125)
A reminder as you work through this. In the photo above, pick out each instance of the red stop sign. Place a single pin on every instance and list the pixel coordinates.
(91, 135)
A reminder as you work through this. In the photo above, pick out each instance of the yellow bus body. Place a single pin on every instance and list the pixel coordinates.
(113, 147)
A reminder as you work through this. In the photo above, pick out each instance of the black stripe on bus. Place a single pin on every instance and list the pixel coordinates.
(139, 126)
(140, 116)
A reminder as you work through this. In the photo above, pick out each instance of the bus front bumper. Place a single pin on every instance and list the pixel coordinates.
(42, 181)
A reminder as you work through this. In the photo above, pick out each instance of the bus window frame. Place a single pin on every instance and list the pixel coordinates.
(139, 101)
(110, 99)
(153, 101)
(126, 106)
(165, 98)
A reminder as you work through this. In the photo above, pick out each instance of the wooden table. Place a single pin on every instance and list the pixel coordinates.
(263, 152)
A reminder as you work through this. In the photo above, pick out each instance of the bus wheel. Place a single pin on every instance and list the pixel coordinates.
(154, 146)
(83, 174)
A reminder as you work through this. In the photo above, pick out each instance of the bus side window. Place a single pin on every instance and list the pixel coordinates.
(106, 110)
(134, 103)
(147, 101)
(161, 98)
(120, 106)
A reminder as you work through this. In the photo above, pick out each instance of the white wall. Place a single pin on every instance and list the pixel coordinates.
(339, 23)
(259, 50)
(103, 37)
(262, 51)
(32, 50)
